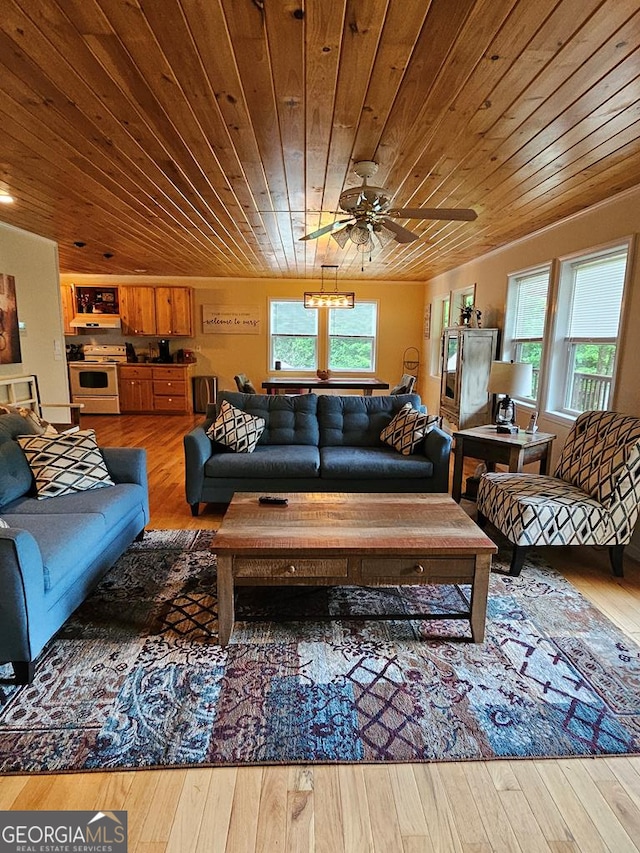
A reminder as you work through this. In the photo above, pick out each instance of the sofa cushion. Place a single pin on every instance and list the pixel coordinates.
(12, 425)
(235, 429)
(352, 421)
(34, 423)
(61, 464)
(288, 419)
(15, 475)
(407, 430)
(79, 535)
(371, 463)
(278, 461)
(113, 504)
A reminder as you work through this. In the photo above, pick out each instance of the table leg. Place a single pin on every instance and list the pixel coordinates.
(226, 605)
(479, 594)
(458, 457)
(545, 462)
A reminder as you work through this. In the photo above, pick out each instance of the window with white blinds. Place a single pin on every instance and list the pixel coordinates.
(596, 300)
(526, 316)
(530, 308)
(589, 309)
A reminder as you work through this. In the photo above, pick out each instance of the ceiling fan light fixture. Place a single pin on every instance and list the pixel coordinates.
(341, 237)
(329, 299)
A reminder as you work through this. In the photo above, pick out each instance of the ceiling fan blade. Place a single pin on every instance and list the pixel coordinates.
(457, 213)
(401, 235)
(328, 229)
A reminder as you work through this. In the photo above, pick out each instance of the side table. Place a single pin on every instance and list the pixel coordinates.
(486, 444)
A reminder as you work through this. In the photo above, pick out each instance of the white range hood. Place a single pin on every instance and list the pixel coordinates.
(96, 321)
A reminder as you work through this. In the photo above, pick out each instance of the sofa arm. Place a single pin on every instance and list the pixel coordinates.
(437, 448)
(197, 450)
(22, 609)
(128, 465)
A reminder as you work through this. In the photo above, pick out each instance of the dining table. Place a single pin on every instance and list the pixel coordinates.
(312, 383)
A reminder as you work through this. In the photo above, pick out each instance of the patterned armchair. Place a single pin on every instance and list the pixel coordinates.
(593, 498)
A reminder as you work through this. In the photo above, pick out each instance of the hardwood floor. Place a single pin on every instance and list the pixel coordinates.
(472, 807)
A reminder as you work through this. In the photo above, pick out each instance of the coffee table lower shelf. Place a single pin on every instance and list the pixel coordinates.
(238, 570)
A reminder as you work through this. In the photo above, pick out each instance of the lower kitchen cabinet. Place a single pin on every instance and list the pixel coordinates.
(155, 388)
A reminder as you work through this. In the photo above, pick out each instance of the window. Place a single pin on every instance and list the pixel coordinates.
(589, 308)
(294, 335)
(525, 321)
(565, 321)
(352, 337)
(304, 339)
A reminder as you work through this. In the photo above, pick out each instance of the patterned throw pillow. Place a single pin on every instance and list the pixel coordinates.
(236, 429)
(61, 464)
(37, 425)
(407, 429)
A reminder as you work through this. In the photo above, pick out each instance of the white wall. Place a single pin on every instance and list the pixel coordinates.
(33, 261)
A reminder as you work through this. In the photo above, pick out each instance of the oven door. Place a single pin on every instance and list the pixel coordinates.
(93, 380)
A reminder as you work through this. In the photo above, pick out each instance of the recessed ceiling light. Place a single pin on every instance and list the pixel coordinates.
(79, 244)
(5, 198)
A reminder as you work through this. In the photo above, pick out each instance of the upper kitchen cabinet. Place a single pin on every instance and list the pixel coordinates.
(162, 311)
(138, 310)
(68, 309)
(173, 311)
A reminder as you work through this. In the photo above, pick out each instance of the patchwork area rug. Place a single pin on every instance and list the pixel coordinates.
(136, 678)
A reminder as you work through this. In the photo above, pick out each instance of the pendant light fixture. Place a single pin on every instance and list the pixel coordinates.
(329, 299)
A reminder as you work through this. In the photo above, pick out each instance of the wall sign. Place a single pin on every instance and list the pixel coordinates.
(232, 319)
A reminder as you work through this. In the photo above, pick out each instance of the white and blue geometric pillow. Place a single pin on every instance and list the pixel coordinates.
(65, 463)
(236, 429)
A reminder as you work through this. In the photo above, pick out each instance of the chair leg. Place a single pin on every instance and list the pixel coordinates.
(140, 536)
(517, 559)
(481, 520)
(195, 509)
(615, 556)
(24, 670)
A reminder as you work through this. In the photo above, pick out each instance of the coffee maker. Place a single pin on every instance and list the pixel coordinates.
(164, 356)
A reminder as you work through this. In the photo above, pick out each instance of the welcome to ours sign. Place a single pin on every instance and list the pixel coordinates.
(232, 319)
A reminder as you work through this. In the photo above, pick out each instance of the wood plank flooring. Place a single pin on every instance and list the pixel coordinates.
(540, 806)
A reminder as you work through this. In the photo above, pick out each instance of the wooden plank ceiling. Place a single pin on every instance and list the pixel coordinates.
(205, 137)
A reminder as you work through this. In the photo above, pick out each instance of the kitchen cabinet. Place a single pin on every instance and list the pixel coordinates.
(68, 308)
(164, 312)
(465, 363)
(173, 311)
(135, 389)
(138, 310)
(155, 388)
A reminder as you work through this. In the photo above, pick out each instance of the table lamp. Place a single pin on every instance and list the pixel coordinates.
(509, 378)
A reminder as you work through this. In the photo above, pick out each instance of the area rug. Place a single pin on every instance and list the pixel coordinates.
(136, 677)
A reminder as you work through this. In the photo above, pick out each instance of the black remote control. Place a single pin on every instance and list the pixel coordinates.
(272, 500)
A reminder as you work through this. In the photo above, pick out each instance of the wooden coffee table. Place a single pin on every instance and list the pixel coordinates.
(335, 539)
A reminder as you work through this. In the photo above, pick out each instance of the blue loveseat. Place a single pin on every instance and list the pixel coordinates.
(55, 550)
(313, 443)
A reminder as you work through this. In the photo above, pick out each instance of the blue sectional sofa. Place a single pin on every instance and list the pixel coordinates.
(54, 551)
(313, 443)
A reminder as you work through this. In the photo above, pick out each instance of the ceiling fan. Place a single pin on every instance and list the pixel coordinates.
(370, 214)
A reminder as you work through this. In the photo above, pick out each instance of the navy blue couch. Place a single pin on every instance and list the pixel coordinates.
(313, 443)
(55, 550)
